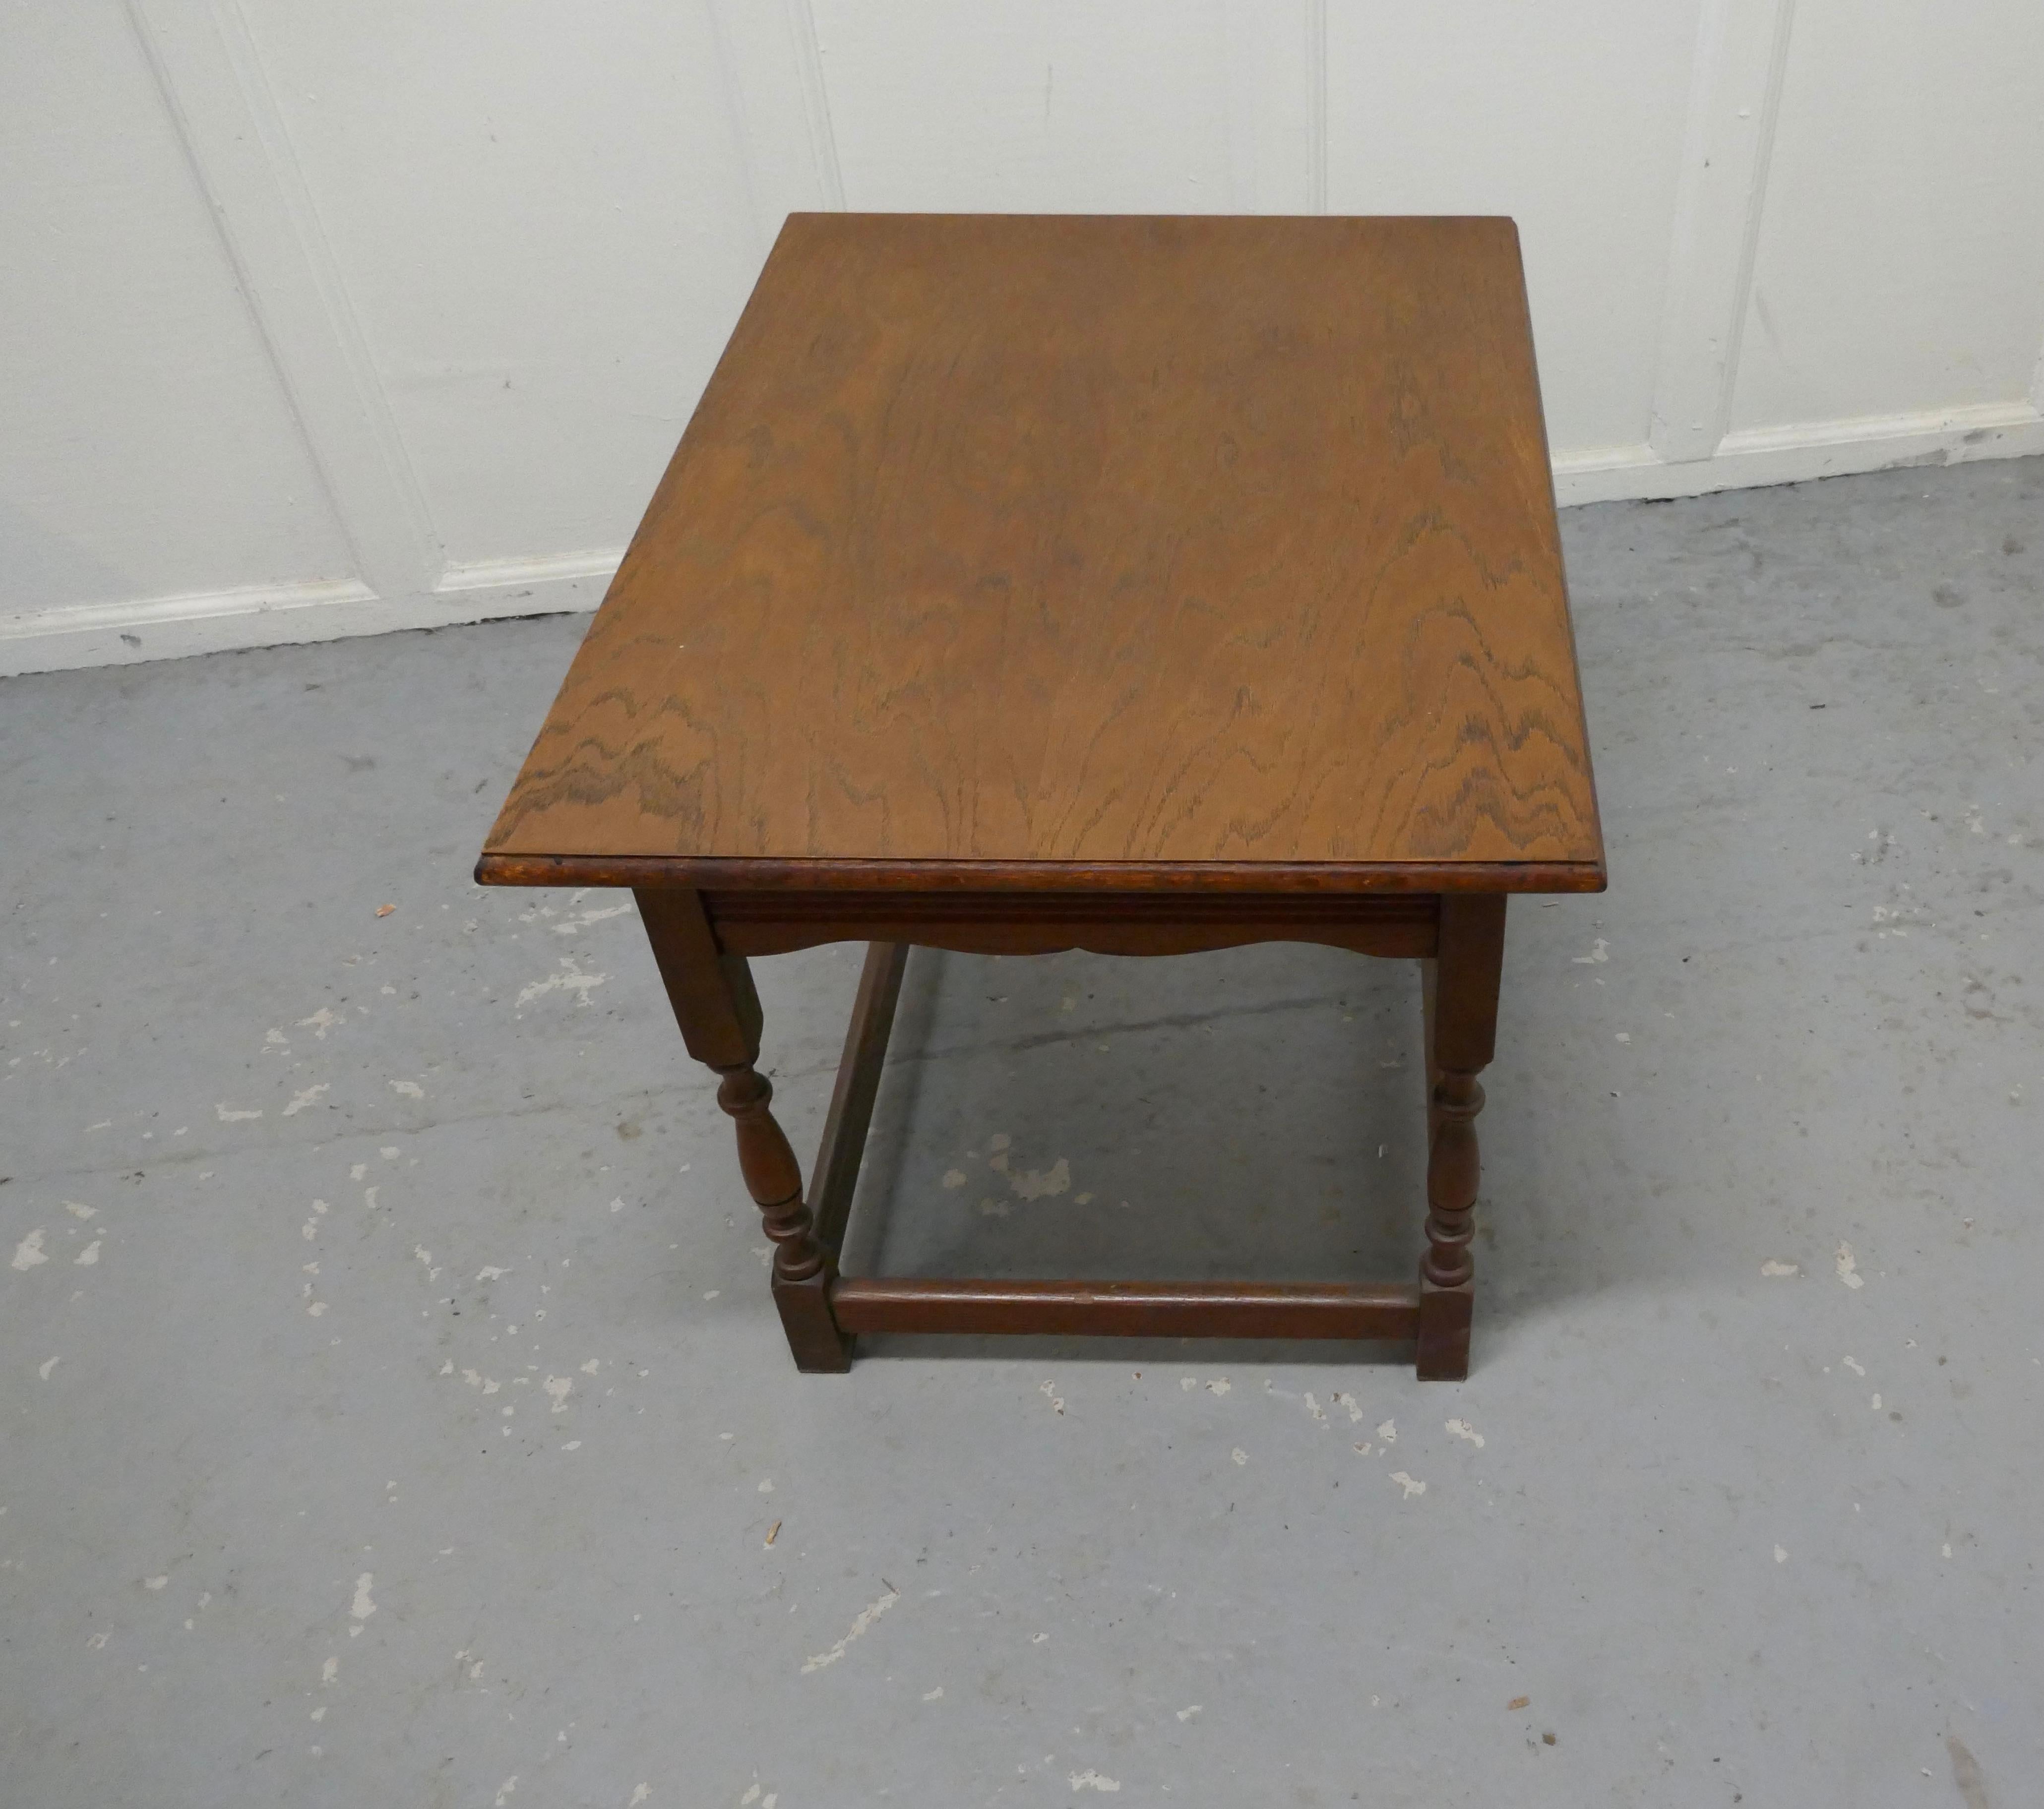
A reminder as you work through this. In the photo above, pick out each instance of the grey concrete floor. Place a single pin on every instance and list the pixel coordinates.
(394, 1413)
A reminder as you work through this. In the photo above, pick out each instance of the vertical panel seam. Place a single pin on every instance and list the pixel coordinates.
(1755, 209)
(1316, 76)
(816, 102)
(399, 556)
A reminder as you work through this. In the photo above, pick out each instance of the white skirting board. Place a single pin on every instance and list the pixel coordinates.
(170, 627)
(1798, 454)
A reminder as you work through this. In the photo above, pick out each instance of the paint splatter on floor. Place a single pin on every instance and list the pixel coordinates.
(865, 1619)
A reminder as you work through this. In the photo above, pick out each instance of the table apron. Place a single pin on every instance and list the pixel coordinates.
(777, 923)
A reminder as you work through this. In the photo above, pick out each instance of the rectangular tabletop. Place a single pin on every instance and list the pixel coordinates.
(1016, 551)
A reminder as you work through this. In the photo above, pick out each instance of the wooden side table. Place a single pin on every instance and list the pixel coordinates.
(1140, 585)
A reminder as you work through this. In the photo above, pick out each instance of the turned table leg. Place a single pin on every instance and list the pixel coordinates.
(1461, 993)
(718, 1010)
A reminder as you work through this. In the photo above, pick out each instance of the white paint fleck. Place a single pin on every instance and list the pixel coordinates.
(936, 1695)
(318, 1714)
(359, 1171)
(1091, 1779)
(300, 1100)
(1189, 1383)
(411, 1090)
(1461, 1429)
(570, 926)
(1035, 1184)
(1387, 1433)
(369, 1197)
(1219, 1385)
(1240, 1455)
(865, 1619)
(1410, 1484)
(361, 1608)
(1314, 1408)
(1780, 1555)
(1946, 1550)
(1599, 953)
(329, 1670)
(316, 1309)
(491, 1273)
(1050, 1393)
(954, 1177)
(558, 1389)
(617, 1205)
(1848, 1267)
(1852, 1364)
(154, 1582)
(87, 1256)
(1187, 1713)
(505, 1790)
(1876, 1403)
(766, 1485)
(274, 1039)
(749, 1798)
(592, 1365)
(319, 1022)
(29, 1252)
(43, 1369)
(639, 1796)
(1771, 1269)
(1354, 1408)
(228, 1115)
(713, 1294)
(80, 1212)
(1623, 1037)
(570, 979)
(1364, 1450)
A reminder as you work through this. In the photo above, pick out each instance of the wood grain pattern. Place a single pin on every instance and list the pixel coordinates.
(1125, 543)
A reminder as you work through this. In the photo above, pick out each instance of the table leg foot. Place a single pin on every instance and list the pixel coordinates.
(1445, 1314)
(819, 1348)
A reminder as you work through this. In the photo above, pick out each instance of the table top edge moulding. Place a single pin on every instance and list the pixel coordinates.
(1240, 877)
(1092, 550)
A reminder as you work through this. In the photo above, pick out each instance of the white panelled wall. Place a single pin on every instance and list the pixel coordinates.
(324, 317)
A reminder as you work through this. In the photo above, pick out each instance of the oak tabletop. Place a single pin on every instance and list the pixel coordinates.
(1032, 550)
